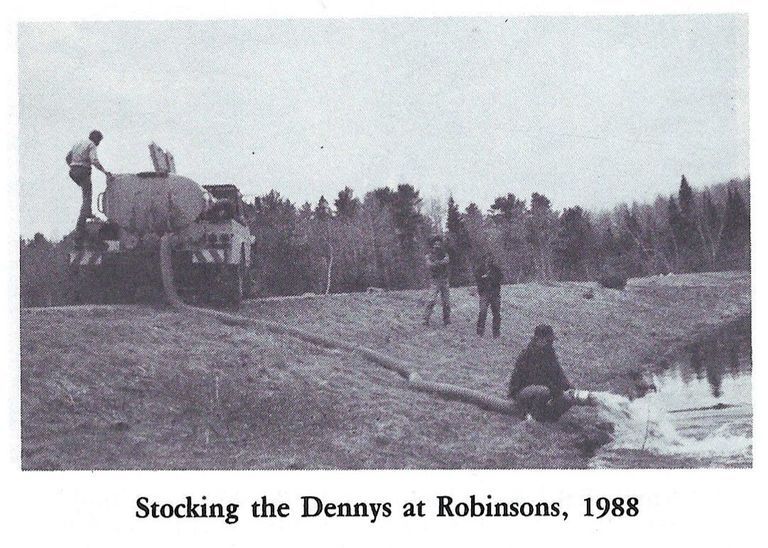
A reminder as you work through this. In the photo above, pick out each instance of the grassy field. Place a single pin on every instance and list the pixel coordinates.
(150, 388)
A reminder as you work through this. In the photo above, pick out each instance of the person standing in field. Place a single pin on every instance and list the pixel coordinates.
(80, 159)
(438, 264)
(489, 277)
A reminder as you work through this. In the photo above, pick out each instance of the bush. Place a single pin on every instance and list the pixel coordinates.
(613, 281)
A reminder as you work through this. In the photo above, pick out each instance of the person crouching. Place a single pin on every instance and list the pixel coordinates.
(538, 382)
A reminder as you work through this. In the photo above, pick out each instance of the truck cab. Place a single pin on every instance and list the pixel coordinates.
(216, 253)
(229, 194)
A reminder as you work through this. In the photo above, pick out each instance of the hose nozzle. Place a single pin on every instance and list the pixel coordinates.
(580, 397)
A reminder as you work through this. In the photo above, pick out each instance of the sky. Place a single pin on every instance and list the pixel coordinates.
(590, 111)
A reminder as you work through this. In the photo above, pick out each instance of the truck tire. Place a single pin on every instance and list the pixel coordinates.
(115, 287)
(245, 273)
(232, 288)
(77, 287)
(88, 287)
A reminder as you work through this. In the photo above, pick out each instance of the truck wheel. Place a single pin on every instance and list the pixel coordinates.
(238, 288)
(113, 286)
(245, 274)
(233, 286)
(77, 286)
(89, 288)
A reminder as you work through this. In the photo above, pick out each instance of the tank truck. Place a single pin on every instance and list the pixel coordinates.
(118, 257)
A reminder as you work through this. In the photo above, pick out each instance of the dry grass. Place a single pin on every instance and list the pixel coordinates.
(127, 388)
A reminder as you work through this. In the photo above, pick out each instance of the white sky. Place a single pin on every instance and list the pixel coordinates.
(589, 111)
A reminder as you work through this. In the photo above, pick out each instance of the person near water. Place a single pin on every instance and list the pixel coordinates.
(438, 264)
(538, 382)
(80, 159)
(488, 277)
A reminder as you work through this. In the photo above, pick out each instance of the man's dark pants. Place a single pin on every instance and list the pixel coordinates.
(494, 301)
(82, 176)
(541, 403)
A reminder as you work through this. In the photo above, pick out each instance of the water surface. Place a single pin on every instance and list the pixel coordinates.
(697, 414)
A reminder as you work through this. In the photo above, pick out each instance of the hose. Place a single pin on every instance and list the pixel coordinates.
(166, 271)
(402, 368)
(466, 395)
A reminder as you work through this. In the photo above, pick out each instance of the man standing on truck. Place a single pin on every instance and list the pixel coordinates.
(488, 277)
(80, 159)
(437, 262)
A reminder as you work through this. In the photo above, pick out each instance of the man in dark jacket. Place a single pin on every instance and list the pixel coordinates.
(438, 262)
(538, 381)
(488, 277)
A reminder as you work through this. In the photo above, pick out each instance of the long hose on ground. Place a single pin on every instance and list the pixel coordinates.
(402, 368)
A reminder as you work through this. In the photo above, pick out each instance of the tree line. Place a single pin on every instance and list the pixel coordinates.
(380, 240)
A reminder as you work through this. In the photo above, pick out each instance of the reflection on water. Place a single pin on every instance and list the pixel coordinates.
(697, 416)
(714, 357)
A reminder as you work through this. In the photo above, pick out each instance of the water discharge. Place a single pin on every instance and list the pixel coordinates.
(684, 422)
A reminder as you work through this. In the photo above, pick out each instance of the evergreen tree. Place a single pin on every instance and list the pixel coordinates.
(454, 222)
(38, 279)
(281, 256)
(339, 247)
(458, 245)
(686, 198)
(406, 212)
(477, 235)
(507, 208)
(472, 210)
(688, 238)
(711, 215)
(676, 226)
(379, 239)
(574, 245)
(384, 196)
(305, 213)
(322, 209)
(412, 229)
(507, 236)
(607, 249)
(734, 248)
(633, 256)
(618, 253)
(346, 204)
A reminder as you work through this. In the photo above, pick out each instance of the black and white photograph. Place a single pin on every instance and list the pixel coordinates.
(385, 243)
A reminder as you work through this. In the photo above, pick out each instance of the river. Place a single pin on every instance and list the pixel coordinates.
(698, 416)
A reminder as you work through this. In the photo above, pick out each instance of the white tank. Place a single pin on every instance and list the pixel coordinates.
(153, 202)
